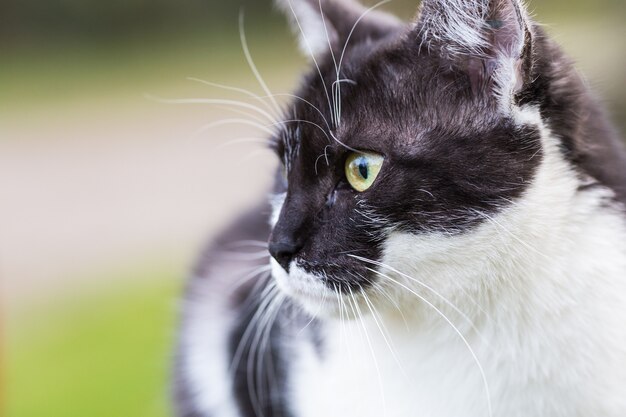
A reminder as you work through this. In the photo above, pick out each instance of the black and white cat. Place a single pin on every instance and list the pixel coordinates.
(448, 238)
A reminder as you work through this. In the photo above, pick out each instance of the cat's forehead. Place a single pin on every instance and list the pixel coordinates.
(384, 95)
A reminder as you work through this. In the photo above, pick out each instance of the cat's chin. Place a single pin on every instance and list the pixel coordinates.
(306, 289)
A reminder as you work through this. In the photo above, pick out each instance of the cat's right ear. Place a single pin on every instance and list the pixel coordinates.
(325, 25)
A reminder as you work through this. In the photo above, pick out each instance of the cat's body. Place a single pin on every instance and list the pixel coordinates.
(485, 276)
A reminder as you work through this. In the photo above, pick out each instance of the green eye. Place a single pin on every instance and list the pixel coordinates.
(362, 169)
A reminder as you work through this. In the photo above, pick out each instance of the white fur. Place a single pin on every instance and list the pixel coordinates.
(544, 286)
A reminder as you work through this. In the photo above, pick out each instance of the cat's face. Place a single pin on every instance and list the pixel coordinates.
(415, 135)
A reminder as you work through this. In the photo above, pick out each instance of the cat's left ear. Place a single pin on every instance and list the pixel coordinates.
(490, 40)
(325, 24)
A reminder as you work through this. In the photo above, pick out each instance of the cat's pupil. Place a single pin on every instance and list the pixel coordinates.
(363, 168)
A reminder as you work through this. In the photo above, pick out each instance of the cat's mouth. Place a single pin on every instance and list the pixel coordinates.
(318, 288)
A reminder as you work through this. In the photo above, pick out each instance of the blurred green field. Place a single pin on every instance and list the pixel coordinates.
(101, 356)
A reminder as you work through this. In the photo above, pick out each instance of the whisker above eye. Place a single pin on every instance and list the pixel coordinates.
(225, 122)
(365, 13)
(210, 101)
(251, 64)
(238, 90)
(308, 45)
(314, 107)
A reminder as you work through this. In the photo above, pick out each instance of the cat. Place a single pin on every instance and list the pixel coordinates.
(446, 235)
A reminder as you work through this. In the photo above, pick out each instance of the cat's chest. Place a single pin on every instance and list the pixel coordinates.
(358, 375)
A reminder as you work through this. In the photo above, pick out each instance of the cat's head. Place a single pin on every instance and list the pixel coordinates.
(404, 146)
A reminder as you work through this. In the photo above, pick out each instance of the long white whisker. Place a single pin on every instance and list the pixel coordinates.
(308, 45)
(420, 283)
(237, 90)
(314, 316)
(498, 224)
(211, 101)
(456, 330)
(303, 121)
(365, 13)
(371, 347)
(225, 122)
(266, 299)
(258, 347)
(250, 116)
(239, 141)
(257, 74)
(249, 242)
(380, 327)
(306, 102)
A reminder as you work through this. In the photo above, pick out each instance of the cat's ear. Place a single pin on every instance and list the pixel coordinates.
(489, 39)
(322, 25)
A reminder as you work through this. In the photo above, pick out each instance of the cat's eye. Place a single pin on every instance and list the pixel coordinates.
(362, 169)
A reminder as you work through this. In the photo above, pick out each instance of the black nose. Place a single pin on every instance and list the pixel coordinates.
(284, 252)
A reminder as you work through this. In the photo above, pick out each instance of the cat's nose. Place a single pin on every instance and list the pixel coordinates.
(283, 252)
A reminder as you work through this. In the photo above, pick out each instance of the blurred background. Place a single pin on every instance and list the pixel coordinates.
(107, 191)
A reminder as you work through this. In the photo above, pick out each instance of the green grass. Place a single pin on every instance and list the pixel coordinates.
(102, 356)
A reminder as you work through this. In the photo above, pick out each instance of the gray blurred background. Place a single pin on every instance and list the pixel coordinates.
(106, 193)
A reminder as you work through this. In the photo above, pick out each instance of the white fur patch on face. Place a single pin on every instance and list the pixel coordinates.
(306, 289)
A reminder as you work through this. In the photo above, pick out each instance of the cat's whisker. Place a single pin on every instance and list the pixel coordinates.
(249, 115)
(324, 155)
(456, 330)
(381, 290)
(239, 141)
(371, 348)
(305, 122)
(252, 256)
(243, 342)
(423, 285)
(263, 273)
(255, 385)
(513, 235)
(365, 13)
(314, 316)
(330, 46)
(212, 101)
(344, 318)
(254, 382)
(252, 65)
(238, 90)
(383, 331)
(308, 45)
(248, 242)
(338, 299)
(271, 369)
(313, 106)
(243, 161)
(225, 122)
(258, 348)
